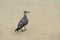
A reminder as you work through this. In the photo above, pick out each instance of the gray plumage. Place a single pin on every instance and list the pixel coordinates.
(23, 22)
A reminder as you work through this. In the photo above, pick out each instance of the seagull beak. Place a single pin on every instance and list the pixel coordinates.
(28, 12)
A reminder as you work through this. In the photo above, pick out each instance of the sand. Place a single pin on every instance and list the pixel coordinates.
(44, 19)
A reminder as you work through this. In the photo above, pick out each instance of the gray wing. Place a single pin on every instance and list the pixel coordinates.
(23, 21)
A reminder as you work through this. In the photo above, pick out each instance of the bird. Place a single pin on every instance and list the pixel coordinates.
(23, 22)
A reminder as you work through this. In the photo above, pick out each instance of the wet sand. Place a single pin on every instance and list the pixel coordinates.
(44, 19)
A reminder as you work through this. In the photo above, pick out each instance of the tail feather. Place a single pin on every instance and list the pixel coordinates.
(17, 29)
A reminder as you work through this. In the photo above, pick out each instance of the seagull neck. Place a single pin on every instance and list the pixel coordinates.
(24, 14)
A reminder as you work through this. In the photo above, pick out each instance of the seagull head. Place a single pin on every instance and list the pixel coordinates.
(26, 12)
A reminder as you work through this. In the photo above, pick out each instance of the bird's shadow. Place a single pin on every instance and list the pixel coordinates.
(20, 32)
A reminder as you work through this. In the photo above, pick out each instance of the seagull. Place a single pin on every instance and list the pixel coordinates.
(23, 22)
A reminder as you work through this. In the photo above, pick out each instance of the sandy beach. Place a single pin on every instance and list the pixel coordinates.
(44, 19)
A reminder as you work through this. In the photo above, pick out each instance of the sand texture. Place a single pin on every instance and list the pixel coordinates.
(44, 19)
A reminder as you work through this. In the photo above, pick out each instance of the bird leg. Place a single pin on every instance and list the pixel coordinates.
(23, 29)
